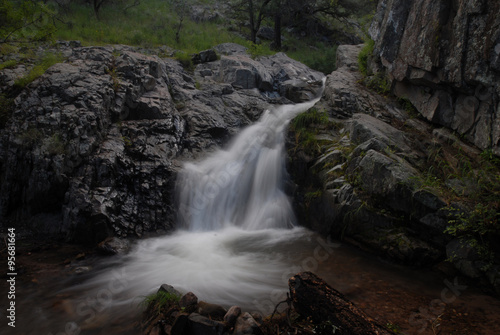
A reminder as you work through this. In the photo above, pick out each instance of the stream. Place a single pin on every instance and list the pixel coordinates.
(238, 243)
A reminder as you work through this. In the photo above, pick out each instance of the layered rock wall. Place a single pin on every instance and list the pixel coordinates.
(93, 146)
(444, 56)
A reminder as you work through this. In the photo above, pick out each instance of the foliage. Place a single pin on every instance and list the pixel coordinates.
(114, 75)
(55, 145)
(364, 56)
(26, 21)
(186, 60)
(8, 64)
(379, 83)
(161, 300)
(31, 137)
(304, 127)
(476, 228)
(39, 69)
(323, 58)
(257, 50)
(394, 328)
(312, 116)
(408, 106)
(181, 7)
(476, 221)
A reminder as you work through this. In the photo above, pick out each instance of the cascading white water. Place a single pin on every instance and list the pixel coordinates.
(243, 185)
(237, 243)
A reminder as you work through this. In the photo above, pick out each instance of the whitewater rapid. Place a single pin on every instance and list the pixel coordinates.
(237, 242)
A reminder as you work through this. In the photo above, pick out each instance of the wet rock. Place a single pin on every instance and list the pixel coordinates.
(114, 246)
(246, 325)
(204, 56)
(169, 289)
(465, 258)
(94, 145)
(188, 300)
(232, 314)
(180, 324)
(213, 311)
(200, 325)
(443, 62)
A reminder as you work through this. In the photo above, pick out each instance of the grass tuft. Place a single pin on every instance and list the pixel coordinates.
(39, 69)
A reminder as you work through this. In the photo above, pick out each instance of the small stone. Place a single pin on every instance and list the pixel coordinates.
(169, 289)
(188, 299)
(246, 325)
(114, 246)
(200, 325)
(213, 311)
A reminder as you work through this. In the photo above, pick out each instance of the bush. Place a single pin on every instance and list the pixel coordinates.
(185, 59)
(312, 116)
(378, 83)
(26, 21)
(364, 56)
(161, 300)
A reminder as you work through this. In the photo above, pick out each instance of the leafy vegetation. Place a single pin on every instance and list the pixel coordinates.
(312, 116)
(154, 23)
(39, 69)
(364, 56)
(305, 127)
(26, 21)
(155, 303)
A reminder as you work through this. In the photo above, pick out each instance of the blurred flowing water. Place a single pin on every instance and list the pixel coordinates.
(237, 244)
(237, 241)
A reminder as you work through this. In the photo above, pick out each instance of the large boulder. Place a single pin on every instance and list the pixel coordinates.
(444, 57)
(94, 145)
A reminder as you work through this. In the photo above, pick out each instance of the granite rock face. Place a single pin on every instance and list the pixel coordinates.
(93, 146)
(444, 56)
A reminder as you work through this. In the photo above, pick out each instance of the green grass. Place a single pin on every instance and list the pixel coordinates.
(8, 64)
(364, 56)
(316, 55)
(305, 127)
(310, 117)
(153, 24)
(39, 69)
(161, 300)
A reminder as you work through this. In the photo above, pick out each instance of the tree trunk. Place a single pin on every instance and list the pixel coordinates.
(251, 13)
(313, 298)
(277, 31)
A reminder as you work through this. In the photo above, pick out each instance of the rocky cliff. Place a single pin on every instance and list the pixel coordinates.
(93, 146)
(444, 56)
(368, 169)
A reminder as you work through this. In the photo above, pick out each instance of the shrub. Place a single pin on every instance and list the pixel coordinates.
(161, 300)
(364, 56)
(312, 116)
(185, 59)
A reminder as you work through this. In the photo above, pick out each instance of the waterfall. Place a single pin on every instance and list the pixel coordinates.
(237, 243)
(241, 186)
